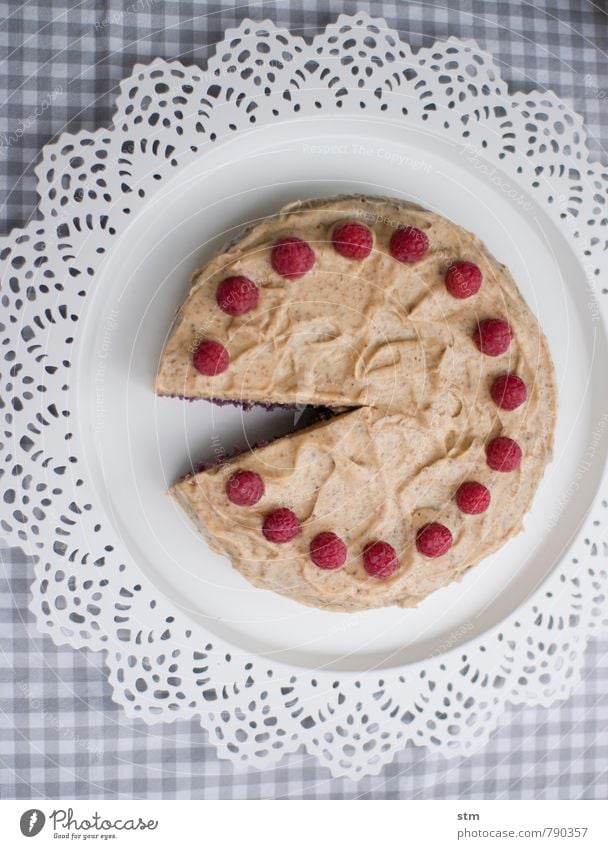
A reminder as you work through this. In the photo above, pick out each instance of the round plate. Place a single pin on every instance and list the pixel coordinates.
(141, 443)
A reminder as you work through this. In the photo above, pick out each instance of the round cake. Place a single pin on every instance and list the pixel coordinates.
(439, 377)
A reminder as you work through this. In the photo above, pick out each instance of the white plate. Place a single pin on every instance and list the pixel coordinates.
(143, 443)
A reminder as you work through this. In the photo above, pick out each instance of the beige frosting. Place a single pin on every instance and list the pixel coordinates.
(388, 338)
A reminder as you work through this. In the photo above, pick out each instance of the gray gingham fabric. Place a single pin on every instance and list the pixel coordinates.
(61, 736)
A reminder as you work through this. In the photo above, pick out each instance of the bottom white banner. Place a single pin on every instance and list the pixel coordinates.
(352, 823)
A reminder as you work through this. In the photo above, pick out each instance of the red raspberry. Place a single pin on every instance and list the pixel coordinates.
(237, 295)
(352, 240)
(509, 391)
(408, 244)
(244, 488)
(493, 336)
(292, 257)
(503, 454)
(210, 358)
(380, 560)
(328, 551)
(433, 540)
(472, 498)
(282, 525)
(463, 279)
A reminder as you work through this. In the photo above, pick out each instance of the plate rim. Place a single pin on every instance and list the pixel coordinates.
(332, 668)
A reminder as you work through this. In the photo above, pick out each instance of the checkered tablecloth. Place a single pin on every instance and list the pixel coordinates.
(61, 736)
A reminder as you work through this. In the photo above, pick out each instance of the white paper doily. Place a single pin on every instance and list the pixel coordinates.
(88, 591)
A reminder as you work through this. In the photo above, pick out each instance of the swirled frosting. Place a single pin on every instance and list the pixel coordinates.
(388, 342)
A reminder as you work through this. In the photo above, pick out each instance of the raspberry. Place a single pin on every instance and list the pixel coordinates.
(503, 454)
(244, 488)
(380, 560)
(210, 358)
(433, 540)
(493, 336)
(281, 525)
(472, 497)
(292, 257)
(352, 240)
(509, 391)
(328, 551)
(237, 295)
(408, 244)
(463, 279)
